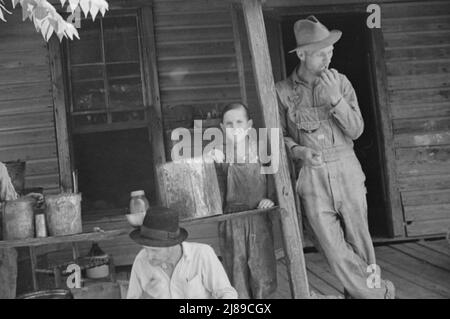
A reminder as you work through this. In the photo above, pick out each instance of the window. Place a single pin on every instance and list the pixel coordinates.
(105, 75)
(108, 98)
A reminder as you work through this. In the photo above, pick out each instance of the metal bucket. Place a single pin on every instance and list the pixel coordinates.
(18, 219)
(48, 294)
(63, 214)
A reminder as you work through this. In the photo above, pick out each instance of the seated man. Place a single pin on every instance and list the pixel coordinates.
(167, 267)
(8, 256)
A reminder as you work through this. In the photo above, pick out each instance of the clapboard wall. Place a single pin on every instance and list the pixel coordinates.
(195, 57)
(417, 54)
(27, 130)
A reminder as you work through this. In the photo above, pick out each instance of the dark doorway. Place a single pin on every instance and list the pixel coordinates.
(351, 58)
(110, 166)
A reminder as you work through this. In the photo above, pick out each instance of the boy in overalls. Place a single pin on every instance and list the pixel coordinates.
(246, 243)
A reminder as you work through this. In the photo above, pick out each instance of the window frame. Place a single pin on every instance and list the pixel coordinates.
(110, 125)
(151, 93)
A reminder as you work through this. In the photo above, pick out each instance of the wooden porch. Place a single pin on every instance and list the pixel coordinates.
(419, 270)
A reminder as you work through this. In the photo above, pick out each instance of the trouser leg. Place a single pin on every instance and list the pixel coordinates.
(348, 266)
(261, 257)
(328, 226)
(354, 213)
(234, 250)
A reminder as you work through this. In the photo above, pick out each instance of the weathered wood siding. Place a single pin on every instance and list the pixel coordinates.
(27, 130)
(195, 56)
(417, 52)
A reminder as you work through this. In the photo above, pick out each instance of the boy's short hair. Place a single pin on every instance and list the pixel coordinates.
(234, 106)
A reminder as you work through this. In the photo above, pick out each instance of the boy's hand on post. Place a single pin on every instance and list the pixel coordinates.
(330, 81)
(265, 203)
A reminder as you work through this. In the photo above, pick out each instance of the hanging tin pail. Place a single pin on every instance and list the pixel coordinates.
(63, 214)
(18, 219)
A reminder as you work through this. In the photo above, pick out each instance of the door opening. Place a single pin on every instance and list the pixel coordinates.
(111, 165)
(351, 58)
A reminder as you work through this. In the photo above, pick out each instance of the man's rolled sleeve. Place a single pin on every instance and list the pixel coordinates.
(347, 113)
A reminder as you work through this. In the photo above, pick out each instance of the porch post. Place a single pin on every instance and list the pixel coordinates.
(265, 87)
(62, 134)
(154, 100)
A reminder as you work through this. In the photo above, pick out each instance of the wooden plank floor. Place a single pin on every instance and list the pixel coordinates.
(417, 269)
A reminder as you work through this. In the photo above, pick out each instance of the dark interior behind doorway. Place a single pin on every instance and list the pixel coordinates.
(111, 165)
(351, 58)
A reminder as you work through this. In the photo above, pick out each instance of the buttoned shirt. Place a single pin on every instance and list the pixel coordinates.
(197, 275)
(308, 118)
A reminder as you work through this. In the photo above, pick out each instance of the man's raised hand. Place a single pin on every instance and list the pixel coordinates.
(330, 80)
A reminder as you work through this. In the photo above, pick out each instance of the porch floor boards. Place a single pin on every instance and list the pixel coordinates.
(418, 270)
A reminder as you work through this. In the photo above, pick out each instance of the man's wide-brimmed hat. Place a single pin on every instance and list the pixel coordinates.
(160, 228)
(312, 35)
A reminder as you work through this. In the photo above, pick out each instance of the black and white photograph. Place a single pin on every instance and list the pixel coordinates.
(225, 149)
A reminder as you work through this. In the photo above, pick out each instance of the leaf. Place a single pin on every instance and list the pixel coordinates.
(60, 36)
(40, 12)
(37, 23)
(73, 4)
(104, 7)
(25, 12)
(94, 10)
(84, 5)
(70, 31)
(1, 15)
(43, 26)
(2, 8)
(49, 32)
(54, 23)
(48, 21)
(14, 3)
(74, 31)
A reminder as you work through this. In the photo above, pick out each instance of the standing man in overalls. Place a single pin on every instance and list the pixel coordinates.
(320, 118)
